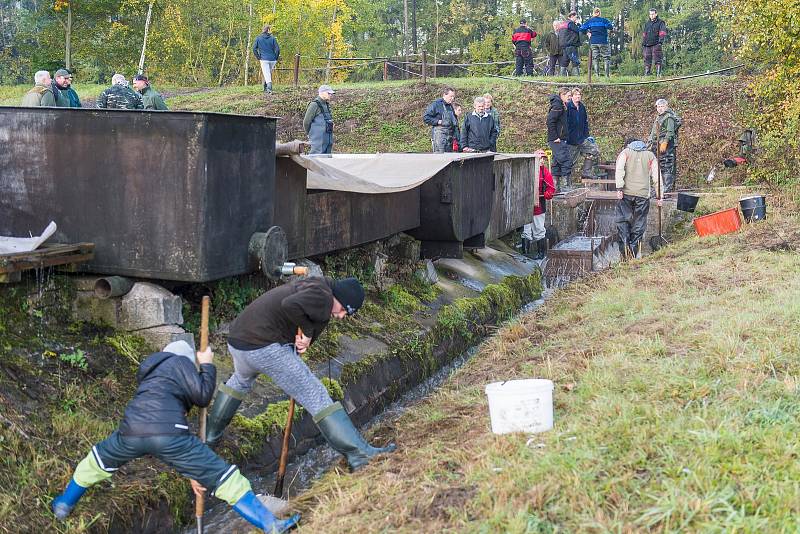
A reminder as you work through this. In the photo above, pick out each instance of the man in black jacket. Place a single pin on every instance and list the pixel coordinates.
(155, 423)
(479, 133)
(569, 39)
(442, 119)
(557, 136)
(521, 38)
(266, 339)
(655, 31)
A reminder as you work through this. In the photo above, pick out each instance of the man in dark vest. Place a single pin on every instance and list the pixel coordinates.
(569, 38)
(521, 38)
(268, 338)
(655, 31)
(318, 121)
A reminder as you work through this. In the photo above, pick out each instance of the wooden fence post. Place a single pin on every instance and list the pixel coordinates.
(296, 70)
(589, 66)
(424, 67)
(385, 70)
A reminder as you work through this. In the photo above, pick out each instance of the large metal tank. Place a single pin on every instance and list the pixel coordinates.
(515, 193)
(337, 220)
(174, 196)
(455, 207)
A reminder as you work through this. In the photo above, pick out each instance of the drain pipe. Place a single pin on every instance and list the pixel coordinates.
(291, 148)
(112, 286)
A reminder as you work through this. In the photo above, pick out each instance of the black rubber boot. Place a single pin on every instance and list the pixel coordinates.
(588, 169)
(647, 70)
(623, 249)
(221, 412)
(541, 248)
(345, 438)
(269, 87)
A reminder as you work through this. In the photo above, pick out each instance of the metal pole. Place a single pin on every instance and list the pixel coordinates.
(296, 69)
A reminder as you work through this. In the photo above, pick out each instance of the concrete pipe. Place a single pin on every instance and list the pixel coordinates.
(112, 286)
(290, 148)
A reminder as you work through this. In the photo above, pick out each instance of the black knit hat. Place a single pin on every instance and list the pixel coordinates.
(349, 293)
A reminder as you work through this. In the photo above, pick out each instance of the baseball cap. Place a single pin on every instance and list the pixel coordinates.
(63, 72)
(140, 77)
(326, 89)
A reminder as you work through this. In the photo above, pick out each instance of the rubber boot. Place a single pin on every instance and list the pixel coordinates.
(222, 411)
(658, 71)
(269, 87)
(577, 71)
(587, 170)
(647, 70)
(596, 69)
(264, 85)
(608, 69)
(337, 428)
(563, 71)
(250, 508)
(623, 249)
(64, 503)
(541, 248)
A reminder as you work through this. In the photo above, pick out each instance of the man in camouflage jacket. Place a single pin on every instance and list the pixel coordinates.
(119, 95)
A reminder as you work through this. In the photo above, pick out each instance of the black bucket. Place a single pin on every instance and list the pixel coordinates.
(687, 202)
(754, 208)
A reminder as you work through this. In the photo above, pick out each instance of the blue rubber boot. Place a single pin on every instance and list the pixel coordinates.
(250, 508)
(64, 503)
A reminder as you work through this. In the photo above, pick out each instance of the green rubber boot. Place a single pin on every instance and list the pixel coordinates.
(221, 413)
(345, 438)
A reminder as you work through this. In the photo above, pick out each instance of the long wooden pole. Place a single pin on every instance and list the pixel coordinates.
(144, 40)
(199, 503)
(287, 432)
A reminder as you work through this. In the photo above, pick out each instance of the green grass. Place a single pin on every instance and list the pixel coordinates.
(676, 409)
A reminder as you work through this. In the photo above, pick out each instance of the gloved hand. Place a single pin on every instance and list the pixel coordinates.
(548, 195)
(591, 140)
(662, 147)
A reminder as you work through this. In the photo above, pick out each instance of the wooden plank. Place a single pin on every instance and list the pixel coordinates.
(46, 257)
(592, 181)
(601, 195)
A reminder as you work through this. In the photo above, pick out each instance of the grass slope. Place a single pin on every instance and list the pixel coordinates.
(676, 409)
(387, 117)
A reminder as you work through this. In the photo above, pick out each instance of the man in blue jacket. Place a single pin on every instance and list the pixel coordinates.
(155, 423)
(578, 137)
(441, 117)
(267, 50)
(598, 28)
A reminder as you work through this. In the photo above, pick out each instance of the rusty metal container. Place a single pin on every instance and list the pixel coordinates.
(337, 220)
(174, 196)
(516, 193)
(455, 207)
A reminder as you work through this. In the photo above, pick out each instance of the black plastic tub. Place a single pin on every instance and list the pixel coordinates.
(687, 202)
(754, 208)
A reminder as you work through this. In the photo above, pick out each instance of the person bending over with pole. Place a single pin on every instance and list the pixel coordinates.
(636, 168)
(264, 339)
(155, 423)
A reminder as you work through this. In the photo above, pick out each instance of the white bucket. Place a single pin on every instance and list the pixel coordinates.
(521, 406)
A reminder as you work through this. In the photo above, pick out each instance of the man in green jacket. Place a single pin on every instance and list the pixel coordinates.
(150, 97)
(664, 142)
(72, 96)
(41, 95)
(318, 121)
(268, 338)
(60, 86)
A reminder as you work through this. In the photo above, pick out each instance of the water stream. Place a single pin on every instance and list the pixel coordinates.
(302, 473)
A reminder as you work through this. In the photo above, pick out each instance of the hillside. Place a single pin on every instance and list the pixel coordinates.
(388, 117)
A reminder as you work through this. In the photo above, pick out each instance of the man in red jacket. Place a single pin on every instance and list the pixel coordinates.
(535, 231)
(523, 54)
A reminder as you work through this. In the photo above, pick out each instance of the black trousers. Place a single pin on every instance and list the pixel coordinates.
(631, 219)
(185, 452)
(523, 59)
(669, 168)
(653, 54)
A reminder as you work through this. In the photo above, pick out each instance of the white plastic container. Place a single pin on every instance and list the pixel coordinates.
(521, 406)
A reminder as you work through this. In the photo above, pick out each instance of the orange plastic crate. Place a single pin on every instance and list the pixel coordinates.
(721, 222)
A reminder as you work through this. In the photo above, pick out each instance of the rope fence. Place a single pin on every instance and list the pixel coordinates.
(402, 68)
